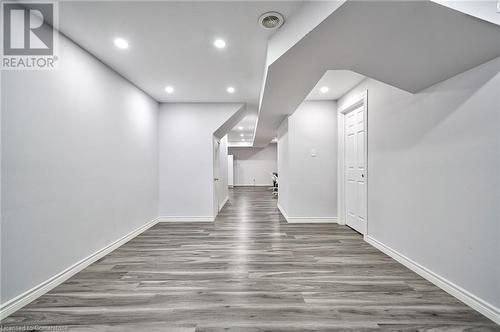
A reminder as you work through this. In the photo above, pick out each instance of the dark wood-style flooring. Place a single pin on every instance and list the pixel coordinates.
(249, 271)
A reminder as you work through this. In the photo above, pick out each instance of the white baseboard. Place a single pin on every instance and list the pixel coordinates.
(283, 212)
(186, 218)
(29, 296)
(311, 220)
(463, 295)
(304, 220)
(254, 185)
(224, 203)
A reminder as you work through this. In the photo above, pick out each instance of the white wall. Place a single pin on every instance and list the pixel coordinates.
(79, 166)
(283, 166)
(186, 156)
(230, 171)
(253, 166)
(484, 9)
(222, 189)
(311, 181)
(434, 181)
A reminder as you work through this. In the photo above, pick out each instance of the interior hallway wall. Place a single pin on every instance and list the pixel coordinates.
(79, 166)
(308, 158)
(230, 170)
(186, 132)
(223, 189)
(283, 166)
(253, 166)
(433, 172)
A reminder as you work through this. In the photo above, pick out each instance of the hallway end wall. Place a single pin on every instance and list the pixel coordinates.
(253, 166)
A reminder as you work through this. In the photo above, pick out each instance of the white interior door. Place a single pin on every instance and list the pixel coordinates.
(216, 176)
(355, 168)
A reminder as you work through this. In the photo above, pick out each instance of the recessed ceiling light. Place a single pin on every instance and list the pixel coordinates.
(242, 135)
(324, 89)
(240, 128)
(121, 43)
(220, 43)
(169, 89)
(243, 140)
(230, 89)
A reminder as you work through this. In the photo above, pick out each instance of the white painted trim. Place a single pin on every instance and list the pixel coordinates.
(224, 203)
(312, 220)
(283, 212)
(461, 294)
(254, 185)
(362, 99)
(29, 296)
(307, 220)
(340, 169)
(186, 218)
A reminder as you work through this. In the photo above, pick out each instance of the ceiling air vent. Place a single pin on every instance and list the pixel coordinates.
(271, 20)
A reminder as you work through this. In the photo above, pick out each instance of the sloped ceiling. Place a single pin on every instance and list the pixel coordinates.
(407, 44)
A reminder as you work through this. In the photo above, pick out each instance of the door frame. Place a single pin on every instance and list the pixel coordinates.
(216, 175)
(360, 100)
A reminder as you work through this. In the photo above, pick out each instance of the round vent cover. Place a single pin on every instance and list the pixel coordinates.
(271, 20)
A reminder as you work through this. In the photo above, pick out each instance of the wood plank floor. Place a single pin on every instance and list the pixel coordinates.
(249, 271)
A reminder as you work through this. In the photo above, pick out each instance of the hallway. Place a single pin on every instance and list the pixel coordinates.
(248, 271)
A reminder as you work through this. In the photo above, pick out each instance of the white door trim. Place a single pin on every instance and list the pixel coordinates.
(216, 176)
(361, 100)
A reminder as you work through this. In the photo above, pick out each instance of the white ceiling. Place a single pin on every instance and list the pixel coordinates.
(371, 38)
(245, 127)
(483, 9)
(338, 83)
(171, 43)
